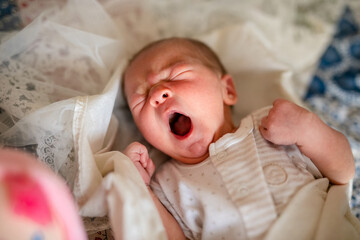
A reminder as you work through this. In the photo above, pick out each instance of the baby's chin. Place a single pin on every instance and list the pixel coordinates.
(198, 149)
(196, 153)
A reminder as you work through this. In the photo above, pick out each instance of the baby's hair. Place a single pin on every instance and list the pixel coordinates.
(205, 54)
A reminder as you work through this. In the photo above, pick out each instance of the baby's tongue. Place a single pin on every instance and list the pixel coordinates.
(182, 125)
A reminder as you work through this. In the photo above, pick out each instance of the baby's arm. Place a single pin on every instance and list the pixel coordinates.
(140, 157)
(288, 123)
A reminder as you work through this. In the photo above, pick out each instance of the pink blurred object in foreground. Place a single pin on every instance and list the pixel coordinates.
(35, 204)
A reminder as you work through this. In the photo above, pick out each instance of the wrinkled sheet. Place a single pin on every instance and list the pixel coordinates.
(317, 211)
(60, 95)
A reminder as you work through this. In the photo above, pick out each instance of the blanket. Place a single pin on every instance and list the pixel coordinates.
(317, 211)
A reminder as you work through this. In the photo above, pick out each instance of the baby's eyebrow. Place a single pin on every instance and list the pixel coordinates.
(152, 77)
(142, 88)
(167, 71)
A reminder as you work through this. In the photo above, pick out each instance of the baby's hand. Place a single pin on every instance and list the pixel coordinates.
(286, 123)
(140, 157)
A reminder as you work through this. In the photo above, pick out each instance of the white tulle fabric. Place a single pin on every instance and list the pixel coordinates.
(60, 93)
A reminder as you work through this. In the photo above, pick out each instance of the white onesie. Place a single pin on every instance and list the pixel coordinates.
(239, 190)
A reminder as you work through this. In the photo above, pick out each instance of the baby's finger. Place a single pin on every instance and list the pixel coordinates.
(150, 168)
(264, 123)
(263, 128)
(143, 173)
(135, 151)
(144, 157)
(263, 131)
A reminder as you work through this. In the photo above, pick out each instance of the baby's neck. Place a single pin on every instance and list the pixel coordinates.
(227, 127)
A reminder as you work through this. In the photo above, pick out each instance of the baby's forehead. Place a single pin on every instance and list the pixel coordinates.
(179, 44)
(169, 47)
(162, 54)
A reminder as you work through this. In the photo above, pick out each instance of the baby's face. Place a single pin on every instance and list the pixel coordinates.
(177, 102)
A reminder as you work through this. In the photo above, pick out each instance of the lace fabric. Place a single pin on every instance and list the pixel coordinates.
(43, 68)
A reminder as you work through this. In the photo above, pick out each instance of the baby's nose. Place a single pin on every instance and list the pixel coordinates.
(159, 96)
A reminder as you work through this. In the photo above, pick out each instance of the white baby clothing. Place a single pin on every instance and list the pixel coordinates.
(239, 190)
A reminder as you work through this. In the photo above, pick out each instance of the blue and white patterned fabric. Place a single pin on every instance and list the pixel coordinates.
(334, 92)
(9, 19)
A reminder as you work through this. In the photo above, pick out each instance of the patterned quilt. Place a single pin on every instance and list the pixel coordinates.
(334, 92)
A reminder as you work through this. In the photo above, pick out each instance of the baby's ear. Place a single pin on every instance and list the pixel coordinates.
(229, 90)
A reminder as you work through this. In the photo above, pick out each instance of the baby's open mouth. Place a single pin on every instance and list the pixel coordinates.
(180, 124)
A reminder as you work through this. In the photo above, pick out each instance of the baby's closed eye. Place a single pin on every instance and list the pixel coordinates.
(181, 75)
(137, 102)
(180, 71)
